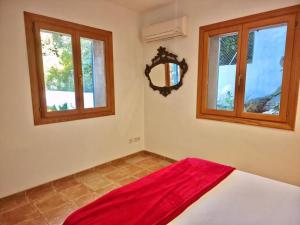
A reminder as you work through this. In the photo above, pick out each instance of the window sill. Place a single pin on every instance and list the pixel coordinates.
(39, 120)
(261, 123)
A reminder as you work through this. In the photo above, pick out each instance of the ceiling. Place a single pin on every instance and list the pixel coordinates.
(142, 5)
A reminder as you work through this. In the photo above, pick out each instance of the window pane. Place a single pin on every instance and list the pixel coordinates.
(222, 71)
(174, 74)
(93, 73)
(58, 70)
(264, 72)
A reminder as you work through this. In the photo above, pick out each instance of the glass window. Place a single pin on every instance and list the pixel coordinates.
(248, 70)
(58, 70)
(222, 71)
(71, 70)
(265, 71)
(93, 73)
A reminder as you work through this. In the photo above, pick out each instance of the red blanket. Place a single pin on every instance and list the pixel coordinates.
(155, 199)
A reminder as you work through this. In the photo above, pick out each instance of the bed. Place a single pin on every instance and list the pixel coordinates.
(245, 199)
(195, 192)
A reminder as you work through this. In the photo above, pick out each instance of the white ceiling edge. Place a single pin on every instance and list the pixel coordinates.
(142, 6)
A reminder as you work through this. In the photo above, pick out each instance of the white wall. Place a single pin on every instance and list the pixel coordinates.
(31, 155)
(171, 127)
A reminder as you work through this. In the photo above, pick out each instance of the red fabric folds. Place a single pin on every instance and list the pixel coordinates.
(155, 199)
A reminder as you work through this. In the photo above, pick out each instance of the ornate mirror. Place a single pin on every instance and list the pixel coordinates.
(165, 72)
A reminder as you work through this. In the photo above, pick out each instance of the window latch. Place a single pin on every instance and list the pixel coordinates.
(240, 80)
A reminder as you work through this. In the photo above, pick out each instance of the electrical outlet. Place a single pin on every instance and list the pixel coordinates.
(132, 140)
(136, 139)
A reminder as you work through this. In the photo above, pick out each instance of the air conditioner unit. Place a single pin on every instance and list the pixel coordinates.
(165, 30)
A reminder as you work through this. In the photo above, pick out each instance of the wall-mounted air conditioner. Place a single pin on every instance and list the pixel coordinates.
(165, 30)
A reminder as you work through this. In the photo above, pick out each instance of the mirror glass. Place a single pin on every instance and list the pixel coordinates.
(166, 72)
(165, 75)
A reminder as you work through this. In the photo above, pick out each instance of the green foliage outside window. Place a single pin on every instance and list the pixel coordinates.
(87, 64)
(61, 78)
(58, 108)
(226, 102)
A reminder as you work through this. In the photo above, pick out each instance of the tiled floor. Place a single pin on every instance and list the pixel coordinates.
(49, 204)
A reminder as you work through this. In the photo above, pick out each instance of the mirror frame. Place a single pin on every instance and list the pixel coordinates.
(162, 57)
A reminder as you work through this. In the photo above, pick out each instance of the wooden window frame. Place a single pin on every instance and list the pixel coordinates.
(33, 24)
(291, 71)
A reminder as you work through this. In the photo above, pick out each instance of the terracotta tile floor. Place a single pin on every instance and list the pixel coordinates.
(49, 204)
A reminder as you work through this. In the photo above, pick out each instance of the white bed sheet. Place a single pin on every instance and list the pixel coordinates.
(245, 199)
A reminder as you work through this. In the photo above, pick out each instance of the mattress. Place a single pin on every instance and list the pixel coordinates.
(245, 199)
